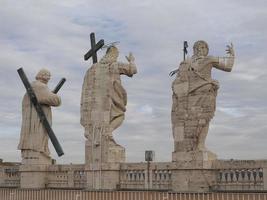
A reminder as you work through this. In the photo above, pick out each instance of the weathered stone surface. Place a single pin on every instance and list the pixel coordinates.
(33, 176)
(35, 158)
(194, 102)
(103, 103)
(34, 138)
(237, 164)
(193, 180)
(201, 159)
(103, 176)
(179, 176)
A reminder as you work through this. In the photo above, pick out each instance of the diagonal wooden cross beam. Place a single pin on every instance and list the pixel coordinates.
(40, 111)
(59, 85)
(94, 48)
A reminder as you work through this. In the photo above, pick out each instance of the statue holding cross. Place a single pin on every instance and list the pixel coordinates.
(103, 104)
(37, 119)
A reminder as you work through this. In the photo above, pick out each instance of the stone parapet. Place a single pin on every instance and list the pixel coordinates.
(187, 176)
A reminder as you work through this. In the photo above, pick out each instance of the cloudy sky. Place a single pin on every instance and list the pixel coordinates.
(55, 35)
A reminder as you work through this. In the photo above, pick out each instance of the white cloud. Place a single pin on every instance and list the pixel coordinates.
(234, 112)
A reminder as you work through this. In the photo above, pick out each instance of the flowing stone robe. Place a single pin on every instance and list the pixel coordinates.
(33, 136)
(104, 99)
(103, 104)
(194, 102)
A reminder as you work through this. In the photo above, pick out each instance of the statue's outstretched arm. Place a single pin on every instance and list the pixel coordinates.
(128, 69)
(225, 63)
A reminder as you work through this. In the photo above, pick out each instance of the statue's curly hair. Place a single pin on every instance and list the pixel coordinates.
(111, 56)
(197, 43)
(40, 75)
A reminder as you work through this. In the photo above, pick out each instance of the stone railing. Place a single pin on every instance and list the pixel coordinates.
(57, 179)
(152, 176)
(79, 178)
(161, 179)
(9, 176)
(240, 179)
(58, 176)
(133, 179)
(66, 176)
(229, 175)
(241, 175)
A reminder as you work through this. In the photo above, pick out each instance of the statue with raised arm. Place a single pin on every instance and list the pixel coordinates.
(103, 104)
(194, 100)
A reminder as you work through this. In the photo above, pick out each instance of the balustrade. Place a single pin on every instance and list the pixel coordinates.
(240, 179)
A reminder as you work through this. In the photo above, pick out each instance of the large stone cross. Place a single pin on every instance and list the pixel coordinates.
(40, 111)
(94, 48)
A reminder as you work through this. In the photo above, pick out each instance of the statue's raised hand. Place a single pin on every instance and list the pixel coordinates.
(130, 58)
(230, 50)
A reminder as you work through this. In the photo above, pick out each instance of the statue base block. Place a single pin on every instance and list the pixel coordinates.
(33, 176)
(35, 158)
(116, 154)
(109, 152)
(204, 157)
(33, 170)
(193, 180)
(103, 177)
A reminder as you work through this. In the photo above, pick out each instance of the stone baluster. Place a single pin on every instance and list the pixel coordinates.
(170, 175)
(243, 175)
(231, 173)
(237, 175)
(261, 174)
(70, 176)
(131, 175)
(165, 175)
(128, 175)
(226, 176)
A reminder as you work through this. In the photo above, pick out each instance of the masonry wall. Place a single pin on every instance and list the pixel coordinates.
(223, 175)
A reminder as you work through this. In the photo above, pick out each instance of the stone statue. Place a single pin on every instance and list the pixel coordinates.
(33, 137)
(194, 98)
(103, 104)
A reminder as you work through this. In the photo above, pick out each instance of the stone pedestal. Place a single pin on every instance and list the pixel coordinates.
(194, 171)
(35, 158)
(102, 161)
(103, 177)
(116, 154)
(206, 157)
(193, 180)
(106, 152)
(33, 176)
(33, 170)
